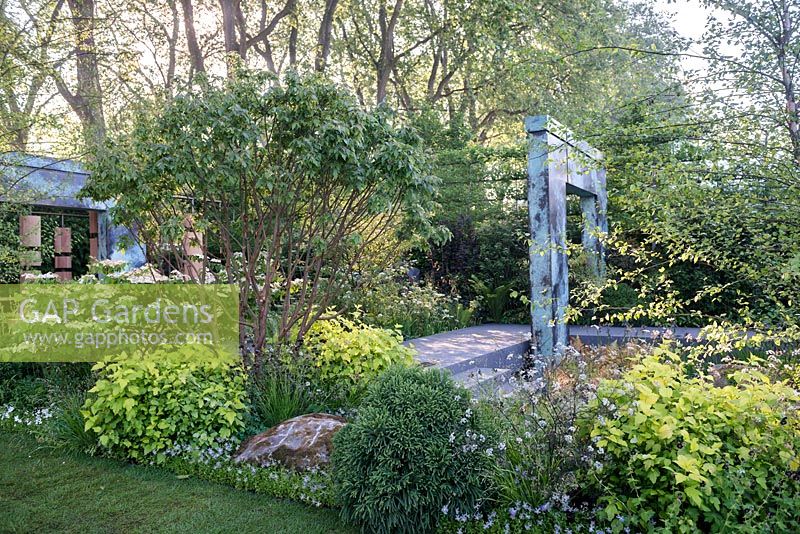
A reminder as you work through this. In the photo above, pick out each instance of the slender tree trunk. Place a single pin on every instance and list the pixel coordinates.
(195, 54)
(231, 13)
(293, 45)
(386, 61)
(172, 38)
(324, 36)
(793, 122)
(87, 100)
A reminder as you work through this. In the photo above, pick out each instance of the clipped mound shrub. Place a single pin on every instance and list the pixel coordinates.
(677, 454)
(143, 405)
(415, 450)
(346, 350)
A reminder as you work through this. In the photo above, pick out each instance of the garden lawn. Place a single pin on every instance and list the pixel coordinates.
(45, 490)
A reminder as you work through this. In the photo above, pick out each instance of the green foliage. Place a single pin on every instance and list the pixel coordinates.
(67, 427)
(345, 350)
(518, 519)
(449, 264)
(415, 448)
(620, 297)
(144, 404)
(9, 238)
(682, 454)
(390, 300)
(485, 260)
(37, 385)
(278, 394)
(22, 385)
(683, 187)
(503, 248)
(493, 300)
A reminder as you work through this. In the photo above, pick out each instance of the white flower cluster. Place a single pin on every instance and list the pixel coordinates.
(33, 418)
(222, 449)
(110, 265)
(218, 457)
(532, 518)
(38, 278)
(146, 274)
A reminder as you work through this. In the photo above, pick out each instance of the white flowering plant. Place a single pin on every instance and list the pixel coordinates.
(214, 462)
(391, 300)
(545, 454)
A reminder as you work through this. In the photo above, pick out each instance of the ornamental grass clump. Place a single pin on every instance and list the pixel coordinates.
(417, 449)
(677, 453)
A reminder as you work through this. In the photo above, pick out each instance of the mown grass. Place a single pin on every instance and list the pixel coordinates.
(46, 490)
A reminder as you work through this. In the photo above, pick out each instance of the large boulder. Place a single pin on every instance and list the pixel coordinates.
(303, 442)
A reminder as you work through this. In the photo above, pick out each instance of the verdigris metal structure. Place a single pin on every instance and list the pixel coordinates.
(55, 184)
(559, 165)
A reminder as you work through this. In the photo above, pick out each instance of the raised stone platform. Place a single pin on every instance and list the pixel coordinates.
(493, 352)
(487, 345)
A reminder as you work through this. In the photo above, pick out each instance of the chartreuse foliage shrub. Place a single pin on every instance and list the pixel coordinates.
(346, 350)
(145, 404)
(415, 448)
(681, 454)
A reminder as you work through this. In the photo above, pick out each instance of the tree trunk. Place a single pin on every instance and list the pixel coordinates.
(793, 123)
(324, 36)
(87, 100)
(231, 13)
(195, 54)
(172, 39)
(293, 45)
(386, 60)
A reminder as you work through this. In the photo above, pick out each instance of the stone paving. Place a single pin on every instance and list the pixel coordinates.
(497, 350)
(482, 346)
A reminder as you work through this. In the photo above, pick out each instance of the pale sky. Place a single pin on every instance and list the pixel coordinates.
(690, 21)
(690, 16)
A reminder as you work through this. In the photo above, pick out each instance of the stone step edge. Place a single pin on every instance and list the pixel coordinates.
(510, 357)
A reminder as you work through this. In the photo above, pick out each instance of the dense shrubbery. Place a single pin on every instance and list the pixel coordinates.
(22, 385)
(416, 448)
(682, 454)
(36, 385)
(391, 300)
(347, 352)
(145, 404)
(484, 259)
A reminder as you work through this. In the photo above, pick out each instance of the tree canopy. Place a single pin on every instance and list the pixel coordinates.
(703, 164)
